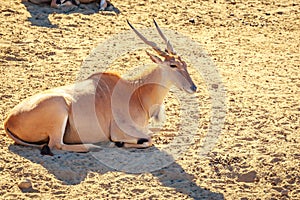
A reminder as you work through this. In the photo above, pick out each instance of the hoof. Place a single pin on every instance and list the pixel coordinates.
(142, 140)
(46, 151)
(119, 144)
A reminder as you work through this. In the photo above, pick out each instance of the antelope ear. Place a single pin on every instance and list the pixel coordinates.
(154, 58)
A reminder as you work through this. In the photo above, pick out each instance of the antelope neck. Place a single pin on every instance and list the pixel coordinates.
(152, 89)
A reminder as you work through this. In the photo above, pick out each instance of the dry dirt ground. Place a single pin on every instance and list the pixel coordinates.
(254, 46)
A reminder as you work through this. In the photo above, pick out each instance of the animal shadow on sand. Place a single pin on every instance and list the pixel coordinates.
(72, 168)
(40, 13)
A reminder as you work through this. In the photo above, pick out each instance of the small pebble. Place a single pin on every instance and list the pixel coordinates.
(285, 192)
(25, 184)
(280, 12)
(215, 86)
(192, 20)
(248, 177)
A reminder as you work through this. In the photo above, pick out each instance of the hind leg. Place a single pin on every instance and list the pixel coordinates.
(56, 139)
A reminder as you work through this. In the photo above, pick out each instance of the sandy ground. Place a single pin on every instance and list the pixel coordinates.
(255, 48)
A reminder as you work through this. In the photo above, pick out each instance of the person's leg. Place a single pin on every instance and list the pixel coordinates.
(102, 4)
(58, 3)
(38, 1)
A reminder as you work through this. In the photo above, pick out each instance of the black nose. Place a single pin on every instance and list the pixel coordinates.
(194, 88)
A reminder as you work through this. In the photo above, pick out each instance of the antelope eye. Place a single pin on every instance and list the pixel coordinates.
(173, 66)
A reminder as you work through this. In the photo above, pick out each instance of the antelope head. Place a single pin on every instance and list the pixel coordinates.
(170, 62)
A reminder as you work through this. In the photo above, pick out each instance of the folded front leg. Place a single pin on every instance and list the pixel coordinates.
(128, 135)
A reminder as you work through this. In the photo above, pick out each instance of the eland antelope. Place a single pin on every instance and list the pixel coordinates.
(104, 107)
